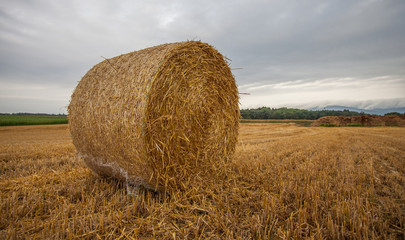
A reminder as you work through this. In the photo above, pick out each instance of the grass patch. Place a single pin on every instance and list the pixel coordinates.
(14, 120)
(347, 125)
(328, 125)
(296, 121)
(304, 123)
(354, 125)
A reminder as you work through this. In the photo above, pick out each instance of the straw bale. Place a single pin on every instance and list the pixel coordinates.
(364, 120)
(157, 117)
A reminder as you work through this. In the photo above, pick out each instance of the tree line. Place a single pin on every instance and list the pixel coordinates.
(293, 113)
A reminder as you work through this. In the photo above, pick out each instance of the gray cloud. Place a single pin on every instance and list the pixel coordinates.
(47, 46)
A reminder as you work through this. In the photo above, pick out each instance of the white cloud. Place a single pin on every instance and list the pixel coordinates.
(321, 91)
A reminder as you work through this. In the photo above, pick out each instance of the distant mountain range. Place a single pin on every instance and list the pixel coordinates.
(377, 111)
(377, 106)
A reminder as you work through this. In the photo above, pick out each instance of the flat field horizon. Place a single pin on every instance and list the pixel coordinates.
(285, 182)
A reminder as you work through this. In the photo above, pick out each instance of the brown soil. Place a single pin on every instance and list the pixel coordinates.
(364, 120)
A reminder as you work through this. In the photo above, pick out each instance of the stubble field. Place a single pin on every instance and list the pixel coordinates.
(285, 182)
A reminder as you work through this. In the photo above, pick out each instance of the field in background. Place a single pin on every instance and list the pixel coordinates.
(14, 120)
(304, 122)
(285, 182)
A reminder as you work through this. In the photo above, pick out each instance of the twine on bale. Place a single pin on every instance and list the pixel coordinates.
(157, 117)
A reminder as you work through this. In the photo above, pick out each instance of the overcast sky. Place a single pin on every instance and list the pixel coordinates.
(292, 53)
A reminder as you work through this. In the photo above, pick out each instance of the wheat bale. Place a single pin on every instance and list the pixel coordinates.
(158, 116)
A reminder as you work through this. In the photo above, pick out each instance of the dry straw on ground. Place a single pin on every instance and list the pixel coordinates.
(157, 117)
(285, 182)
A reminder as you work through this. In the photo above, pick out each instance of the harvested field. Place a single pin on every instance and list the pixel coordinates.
(285, 182)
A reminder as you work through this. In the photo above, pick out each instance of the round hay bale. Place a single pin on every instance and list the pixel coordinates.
(157, 117)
